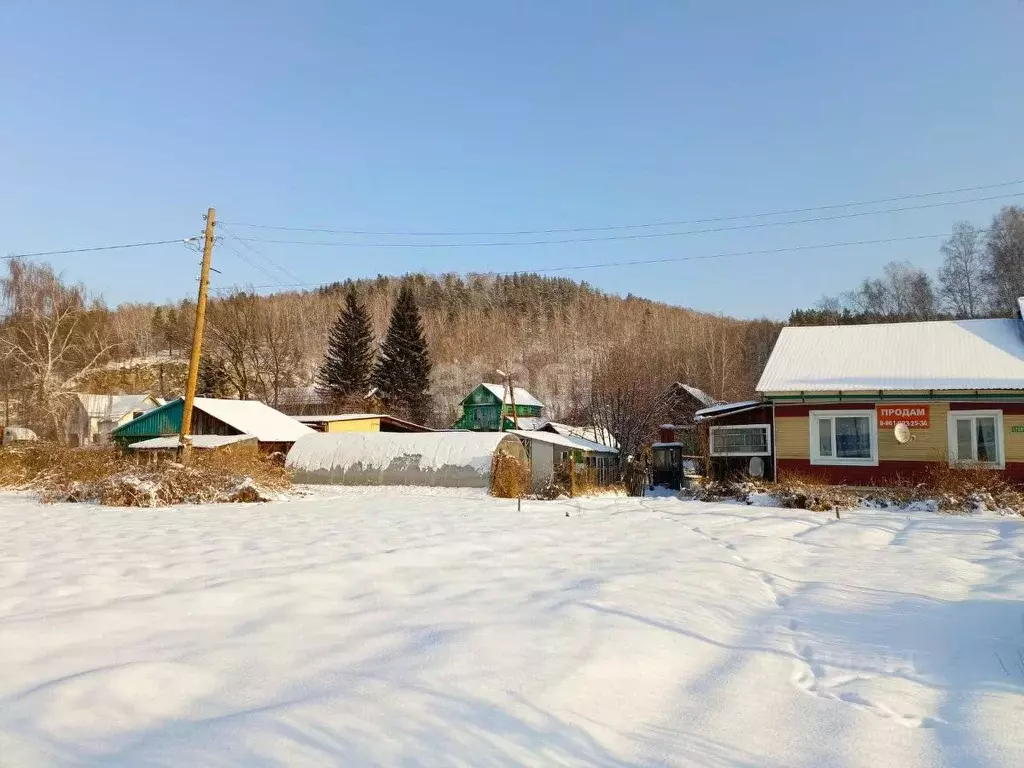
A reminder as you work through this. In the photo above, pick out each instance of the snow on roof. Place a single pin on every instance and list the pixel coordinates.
(340, 417)
(698, 394)
(254, 418)
(723, 408)
(385, 417)
(594, 433)
(522, 396)
(527, 422)
(115, 406)
(198, 441)
(565, 441)
(422, 458)
(942, 355)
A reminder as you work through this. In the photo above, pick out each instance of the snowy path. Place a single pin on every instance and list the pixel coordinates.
(391, 627)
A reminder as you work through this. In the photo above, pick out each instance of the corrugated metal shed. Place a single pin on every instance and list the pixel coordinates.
(165, 420)
(938, 355)
(249, 417)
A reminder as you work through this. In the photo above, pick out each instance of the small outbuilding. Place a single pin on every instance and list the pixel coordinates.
(450, 459)
(92, 418)
(547, 450)
(272, 430)
(360, 422)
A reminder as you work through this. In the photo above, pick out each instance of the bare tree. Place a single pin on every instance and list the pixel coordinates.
(905, 291)
(1004, 251)
(629, 396)
(51, 337)
(962, 274)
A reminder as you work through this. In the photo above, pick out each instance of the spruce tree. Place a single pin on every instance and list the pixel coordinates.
(344, 376)
(402, 375)
(213, 380)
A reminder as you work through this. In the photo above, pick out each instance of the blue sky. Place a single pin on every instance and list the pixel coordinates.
(124, 121)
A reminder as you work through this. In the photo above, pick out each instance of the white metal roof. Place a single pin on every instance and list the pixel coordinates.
(527, 422)
(115, 406)
(254, 418)
(565, 441)
(595, 433)
(522, 396)
(704, 413)
(937, 355)
(198, 441)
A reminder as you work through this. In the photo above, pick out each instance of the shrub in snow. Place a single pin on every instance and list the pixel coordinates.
(61, 474)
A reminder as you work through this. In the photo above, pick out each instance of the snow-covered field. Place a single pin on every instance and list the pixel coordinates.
(404, 627)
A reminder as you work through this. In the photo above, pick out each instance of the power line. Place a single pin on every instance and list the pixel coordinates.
(94, 248)
(646, 225)
(284, 271)
(673, 259)
(249, 261)
(640, 236)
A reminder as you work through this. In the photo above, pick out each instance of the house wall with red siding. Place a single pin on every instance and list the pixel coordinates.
(928, 449)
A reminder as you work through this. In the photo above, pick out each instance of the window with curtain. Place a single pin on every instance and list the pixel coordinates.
(844, 437)
(976, 437)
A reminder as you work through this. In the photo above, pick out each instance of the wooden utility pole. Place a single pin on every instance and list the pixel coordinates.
(512, 397)
(184, 441)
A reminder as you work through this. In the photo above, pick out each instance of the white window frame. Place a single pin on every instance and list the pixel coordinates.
(818, 459)
(725, 427)
(954, 459)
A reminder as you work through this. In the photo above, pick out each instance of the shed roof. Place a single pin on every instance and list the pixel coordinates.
(522, 396)
(724, 408)
(329, 417)
(252, 417)
(564, 441)
(115, 407)
(595, 433)
(936, 355)
(198, 441)
(699, 395)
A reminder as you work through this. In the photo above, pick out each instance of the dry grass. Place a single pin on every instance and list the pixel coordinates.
(510, 476)
(58, 473)
(948, 489)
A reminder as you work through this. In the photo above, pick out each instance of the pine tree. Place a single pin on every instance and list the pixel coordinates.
(344, 376)
(402, 375)
(213, 380)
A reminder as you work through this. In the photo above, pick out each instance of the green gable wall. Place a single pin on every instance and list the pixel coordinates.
(482, 411)
(165, 420)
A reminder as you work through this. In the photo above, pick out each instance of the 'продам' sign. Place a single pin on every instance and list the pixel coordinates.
(911, 415)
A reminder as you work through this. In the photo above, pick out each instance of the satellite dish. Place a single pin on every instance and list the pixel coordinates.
(756, 467)
(902, 433)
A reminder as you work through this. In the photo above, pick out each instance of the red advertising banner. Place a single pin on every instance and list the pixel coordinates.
(914, 416)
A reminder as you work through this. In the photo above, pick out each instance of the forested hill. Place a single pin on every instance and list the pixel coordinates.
(548, 330)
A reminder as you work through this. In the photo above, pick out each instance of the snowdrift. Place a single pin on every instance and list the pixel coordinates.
(452, 459)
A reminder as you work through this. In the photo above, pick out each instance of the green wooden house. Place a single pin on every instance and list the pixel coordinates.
(483, 409)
